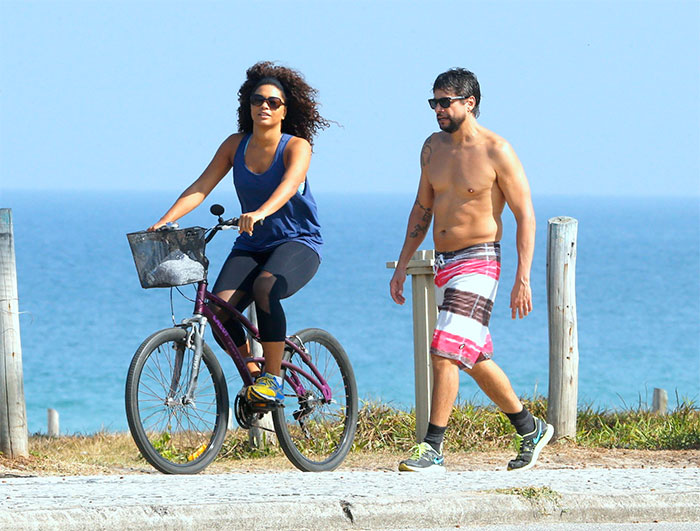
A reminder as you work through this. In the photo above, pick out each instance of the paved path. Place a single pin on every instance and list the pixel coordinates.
(350, 499)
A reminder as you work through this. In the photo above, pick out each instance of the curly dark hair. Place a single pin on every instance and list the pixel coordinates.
(302, 120)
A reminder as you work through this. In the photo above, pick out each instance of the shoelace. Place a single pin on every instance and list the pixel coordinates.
(418, 450)
(267, 381)
(522, 445)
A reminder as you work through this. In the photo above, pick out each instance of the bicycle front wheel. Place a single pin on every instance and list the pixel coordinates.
(175, 433)
(315, 434)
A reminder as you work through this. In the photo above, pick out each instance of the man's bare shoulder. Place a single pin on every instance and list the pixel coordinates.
(497, 147)
(429, 146)
(437, 136)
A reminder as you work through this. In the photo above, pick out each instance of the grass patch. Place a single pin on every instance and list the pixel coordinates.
(474, 428)
(101, 448)
(236, 446)
(542, 498)
(382, 429)
(640, 429)
(534, 494)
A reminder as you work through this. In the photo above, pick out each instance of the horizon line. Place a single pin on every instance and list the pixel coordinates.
(582, 195)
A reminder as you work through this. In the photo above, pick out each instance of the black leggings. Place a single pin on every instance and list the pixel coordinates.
(266, 278)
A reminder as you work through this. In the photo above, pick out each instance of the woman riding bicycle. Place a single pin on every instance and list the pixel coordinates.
(270, 261)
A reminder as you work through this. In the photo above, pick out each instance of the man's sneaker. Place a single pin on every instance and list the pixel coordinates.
(424, 459)
(530, 445)
(265, 390)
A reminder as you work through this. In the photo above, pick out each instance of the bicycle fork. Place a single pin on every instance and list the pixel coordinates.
(196, 326)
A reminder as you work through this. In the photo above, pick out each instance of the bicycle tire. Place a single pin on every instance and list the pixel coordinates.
(330, 426)
(175, 438)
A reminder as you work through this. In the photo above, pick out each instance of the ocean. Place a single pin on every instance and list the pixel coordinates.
(83, 312)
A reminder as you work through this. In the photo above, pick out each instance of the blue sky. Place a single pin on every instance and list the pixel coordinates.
(597, 98)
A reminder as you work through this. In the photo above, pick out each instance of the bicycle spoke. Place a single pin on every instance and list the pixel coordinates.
(316, 435)
(177, 431)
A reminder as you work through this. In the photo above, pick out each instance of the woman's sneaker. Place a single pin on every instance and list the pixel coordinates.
(265, 390)
(424, 459)
(530, 445)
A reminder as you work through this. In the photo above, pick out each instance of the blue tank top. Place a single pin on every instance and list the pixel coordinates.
(296, 221)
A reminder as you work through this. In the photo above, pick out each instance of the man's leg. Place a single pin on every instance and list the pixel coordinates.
(534, 433)
(496, 385)
(445, 389)
(427, 456)
(490, 378)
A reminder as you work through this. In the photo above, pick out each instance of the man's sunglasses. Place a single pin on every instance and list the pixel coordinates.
(444, 102)
(273, 102)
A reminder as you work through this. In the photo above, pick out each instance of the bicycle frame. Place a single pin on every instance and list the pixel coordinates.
(203, 314)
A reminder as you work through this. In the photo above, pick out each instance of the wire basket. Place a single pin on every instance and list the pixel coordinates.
(170, 257)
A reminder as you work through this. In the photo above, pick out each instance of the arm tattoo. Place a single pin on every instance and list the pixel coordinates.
(426, 153)
(428, 212)
(426, 219)
(418, 230)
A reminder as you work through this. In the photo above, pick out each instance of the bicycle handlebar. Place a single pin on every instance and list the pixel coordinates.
(218, 211)
(221, 225)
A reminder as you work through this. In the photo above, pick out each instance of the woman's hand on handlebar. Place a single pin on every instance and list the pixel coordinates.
(248, 220)
(160, 224)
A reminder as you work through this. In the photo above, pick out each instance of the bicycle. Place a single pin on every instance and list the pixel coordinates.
(177, 401)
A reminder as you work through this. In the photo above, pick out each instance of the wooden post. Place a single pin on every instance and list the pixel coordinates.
(14, 439)
(53, 426)
(659, 402)
(420, 268)
(262, 432)
(563, 333)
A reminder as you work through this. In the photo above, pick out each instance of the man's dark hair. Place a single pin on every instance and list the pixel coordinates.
(461, 82)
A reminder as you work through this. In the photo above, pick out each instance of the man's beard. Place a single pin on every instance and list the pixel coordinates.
(452, 125)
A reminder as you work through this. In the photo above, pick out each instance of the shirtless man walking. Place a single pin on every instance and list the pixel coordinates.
(468, 174)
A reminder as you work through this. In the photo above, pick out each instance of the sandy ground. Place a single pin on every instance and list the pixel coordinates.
(553, 457)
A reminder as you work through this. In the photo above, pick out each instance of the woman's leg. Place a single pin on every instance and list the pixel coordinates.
(234, 285)
(288, 269)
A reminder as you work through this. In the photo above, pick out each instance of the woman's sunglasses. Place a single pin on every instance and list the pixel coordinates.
(444, 102)
(273, 102)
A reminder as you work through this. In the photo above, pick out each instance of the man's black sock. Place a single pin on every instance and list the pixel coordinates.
(434, 436)
(523, 422)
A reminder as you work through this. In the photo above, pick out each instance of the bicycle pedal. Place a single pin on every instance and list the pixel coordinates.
(264, 407)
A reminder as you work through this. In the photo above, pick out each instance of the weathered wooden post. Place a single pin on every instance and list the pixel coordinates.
(262, 432)
(420, 268)
(563, 333)
(54, 429)
(659, 402)
(14, 439)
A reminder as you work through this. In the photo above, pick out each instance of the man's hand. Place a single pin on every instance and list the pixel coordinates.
(521, 299)
(396, 285)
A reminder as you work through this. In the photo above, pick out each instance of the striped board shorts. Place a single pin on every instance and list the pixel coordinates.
(466, 282)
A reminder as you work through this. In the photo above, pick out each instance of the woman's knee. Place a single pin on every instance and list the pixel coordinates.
(264, 290)
(232, 326)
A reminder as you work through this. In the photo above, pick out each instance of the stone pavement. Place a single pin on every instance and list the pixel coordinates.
(350, 499)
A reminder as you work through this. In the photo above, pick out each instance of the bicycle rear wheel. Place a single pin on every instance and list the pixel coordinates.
(316, 435)
(174, 435)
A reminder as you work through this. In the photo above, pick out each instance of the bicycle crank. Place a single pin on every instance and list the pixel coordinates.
(247, 411)
(243, 411)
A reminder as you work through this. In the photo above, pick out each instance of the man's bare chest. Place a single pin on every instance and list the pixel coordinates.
(461, 172)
